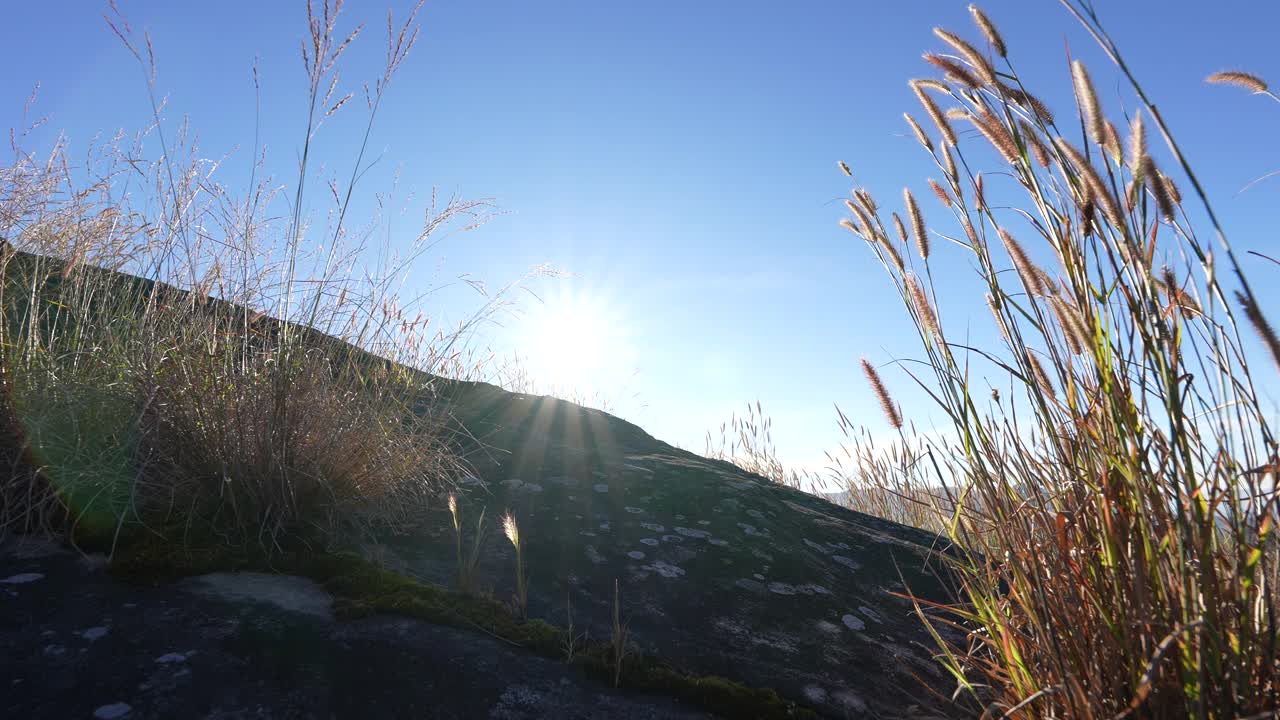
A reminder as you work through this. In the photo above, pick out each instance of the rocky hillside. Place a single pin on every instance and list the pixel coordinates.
(719, 573)
(720, 570)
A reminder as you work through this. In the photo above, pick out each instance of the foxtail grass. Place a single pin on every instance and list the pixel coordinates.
(1107, 468)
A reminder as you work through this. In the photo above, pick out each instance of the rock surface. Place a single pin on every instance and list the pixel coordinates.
(719, 571)
(76, 644)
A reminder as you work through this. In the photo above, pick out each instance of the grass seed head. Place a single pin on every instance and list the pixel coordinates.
(891, 411)
(1088, 101)
(953, 71)
(919, 132)
(988, 29)
(1031, 276)
(1137, 147)
(1248, 81)
(931, 109)
(918, 230)
(981, 66)
(923, 307)
(510, 529)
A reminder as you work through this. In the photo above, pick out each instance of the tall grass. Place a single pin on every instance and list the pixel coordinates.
(1115, 507)
(746, 440)
(228, 388)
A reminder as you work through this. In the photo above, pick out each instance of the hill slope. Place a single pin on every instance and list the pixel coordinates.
(719, 571)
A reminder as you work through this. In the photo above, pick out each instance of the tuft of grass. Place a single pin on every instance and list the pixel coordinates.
(746, 441)
(1114, 506)
(466, 562)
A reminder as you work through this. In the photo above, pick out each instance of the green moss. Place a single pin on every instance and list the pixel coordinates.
(360, 588)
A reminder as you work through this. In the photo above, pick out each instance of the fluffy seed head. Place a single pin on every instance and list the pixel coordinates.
(1088, 100)
(1038, 374)
(949, 163)
(1111, 142)
(891, 412)
(969, 232)
(1168, 284)
(868, 202)
(940, 191)
(931, 84)
(1245, 80)
(890, 251)
(998, 135)
(923, 307)
(844, 168)
(931, 109)
(955, 72)
(1171, 188)
(1137, 147)
(1035, 144)
(1260, 324)
(1088, 210)
(1072, 324)
(1101, 193)
(989, 30)
(510, 530)
(897, 224)
(1028, 101)
(918, 230)
(1160, 190)
(1031, 276)
(864, 225)
(919, 132)
(981, 66)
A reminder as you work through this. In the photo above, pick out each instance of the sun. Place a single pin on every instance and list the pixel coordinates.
(574, 340)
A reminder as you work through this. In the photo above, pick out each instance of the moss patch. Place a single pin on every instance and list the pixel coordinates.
(361, 588)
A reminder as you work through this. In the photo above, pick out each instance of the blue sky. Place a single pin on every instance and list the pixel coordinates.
(678, 157)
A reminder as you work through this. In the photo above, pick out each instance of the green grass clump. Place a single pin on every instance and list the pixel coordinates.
(1113, 489)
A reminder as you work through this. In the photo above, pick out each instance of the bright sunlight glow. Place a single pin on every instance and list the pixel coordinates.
(574, 341)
